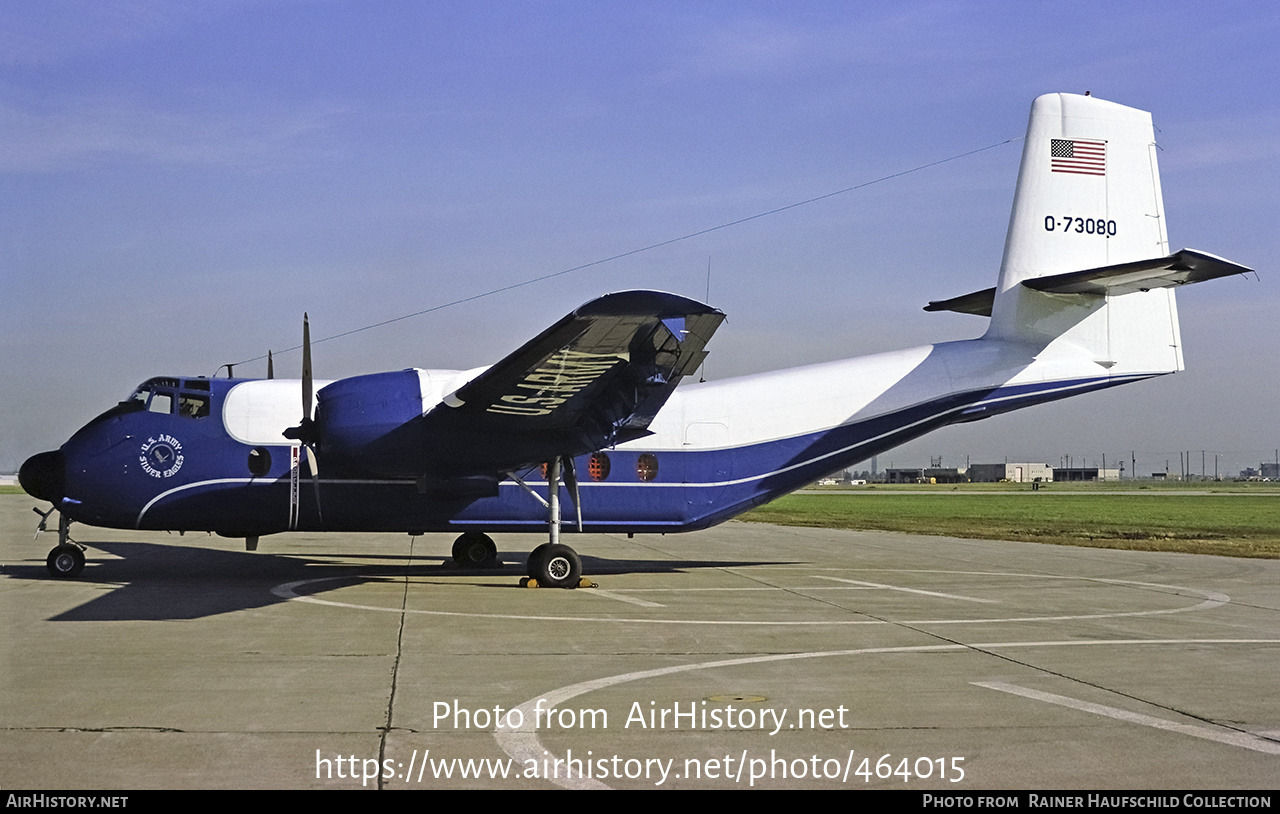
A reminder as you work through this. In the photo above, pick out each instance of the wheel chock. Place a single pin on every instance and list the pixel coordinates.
(530, 582)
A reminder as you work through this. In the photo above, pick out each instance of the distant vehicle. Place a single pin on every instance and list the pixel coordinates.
(1084, 301)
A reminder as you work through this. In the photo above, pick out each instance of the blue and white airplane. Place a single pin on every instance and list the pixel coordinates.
(590, 406)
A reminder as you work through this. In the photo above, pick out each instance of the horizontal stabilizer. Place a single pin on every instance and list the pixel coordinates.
(1180, 268)
(978, 303)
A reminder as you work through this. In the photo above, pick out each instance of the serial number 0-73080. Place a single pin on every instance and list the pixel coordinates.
(1082, 226)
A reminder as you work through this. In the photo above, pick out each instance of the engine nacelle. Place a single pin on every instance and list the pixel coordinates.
(369, 424)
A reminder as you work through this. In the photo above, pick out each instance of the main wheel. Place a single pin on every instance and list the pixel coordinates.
(65, 561)
(558, 567)
(533, 563)
(475, 549)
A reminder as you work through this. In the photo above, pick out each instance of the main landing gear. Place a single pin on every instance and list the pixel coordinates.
(552, 564)
(66, 560)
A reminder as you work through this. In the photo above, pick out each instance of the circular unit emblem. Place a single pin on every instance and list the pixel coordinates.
(161, 456)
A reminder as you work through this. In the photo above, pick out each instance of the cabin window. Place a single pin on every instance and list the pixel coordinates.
(598, 466)
(647, 466)
(259, 461)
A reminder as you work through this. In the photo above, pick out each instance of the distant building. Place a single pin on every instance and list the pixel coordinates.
(903, 475)
(927, 475)
(1079, 473)
(1015, 472)
(1270, 471)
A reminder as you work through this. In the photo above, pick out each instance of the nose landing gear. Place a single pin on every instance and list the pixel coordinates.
(66, 560)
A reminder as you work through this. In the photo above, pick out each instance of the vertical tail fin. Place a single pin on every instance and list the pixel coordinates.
(1088, 197)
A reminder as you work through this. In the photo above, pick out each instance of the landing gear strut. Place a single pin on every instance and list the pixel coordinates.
(554, 565)
(66, 560)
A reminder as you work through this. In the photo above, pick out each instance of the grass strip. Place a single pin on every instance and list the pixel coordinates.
(1236, 525)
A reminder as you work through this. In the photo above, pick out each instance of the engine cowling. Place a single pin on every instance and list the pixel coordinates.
(370, 424)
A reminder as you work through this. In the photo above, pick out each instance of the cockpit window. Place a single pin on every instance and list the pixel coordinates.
(158, 396)
(193, 406)
(161, 402)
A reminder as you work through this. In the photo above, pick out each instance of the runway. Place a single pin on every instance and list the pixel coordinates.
(743, 656)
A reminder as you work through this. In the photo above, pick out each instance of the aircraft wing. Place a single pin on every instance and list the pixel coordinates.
(595, 378)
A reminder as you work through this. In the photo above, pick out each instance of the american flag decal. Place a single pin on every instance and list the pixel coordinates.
(1078, 156)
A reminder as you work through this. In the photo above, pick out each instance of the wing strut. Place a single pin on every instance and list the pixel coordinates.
(571, 480)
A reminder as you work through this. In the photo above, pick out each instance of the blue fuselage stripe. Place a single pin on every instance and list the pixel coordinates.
(694, 488)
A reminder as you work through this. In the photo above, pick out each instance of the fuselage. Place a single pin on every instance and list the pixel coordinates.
(209, 454)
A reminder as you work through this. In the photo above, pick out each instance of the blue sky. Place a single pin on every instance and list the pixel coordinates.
(180, 181)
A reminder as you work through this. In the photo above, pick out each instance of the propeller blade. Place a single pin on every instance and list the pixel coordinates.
(306, 430)
(306, 367)
(313, 466)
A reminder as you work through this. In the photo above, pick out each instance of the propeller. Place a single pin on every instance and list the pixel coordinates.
(306, 431)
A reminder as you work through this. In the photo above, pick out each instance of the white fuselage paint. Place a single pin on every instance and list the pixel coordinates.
(758, 408)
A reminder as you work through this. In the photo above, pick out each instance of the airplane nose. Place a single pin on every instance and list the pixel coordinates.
(43, 476)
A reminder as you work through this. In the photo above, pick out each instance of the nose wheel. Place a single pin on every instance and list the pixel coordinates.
(65, 561)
